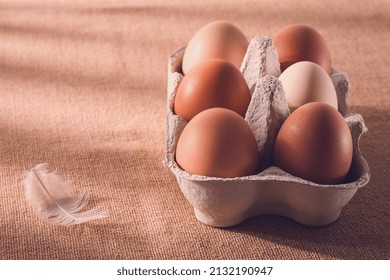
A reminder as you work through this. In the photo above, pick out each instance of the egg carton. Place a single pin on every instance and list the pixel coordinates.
(224, 202)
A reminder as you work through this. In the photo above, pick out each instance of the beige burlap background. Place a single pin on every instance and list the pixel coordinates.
(83, 88)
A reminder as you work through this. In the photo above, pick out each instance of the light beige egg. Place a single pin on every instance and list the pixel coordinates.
(305, 82)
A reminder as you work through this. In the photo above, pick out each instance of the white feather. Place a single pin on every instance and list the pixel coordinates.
(53, 201)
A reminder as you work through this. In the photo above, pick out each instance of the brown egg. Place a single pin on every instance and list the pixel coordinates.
(218, 143)
(298, 42)
(315, 143)
(212, 83)
(218, 39)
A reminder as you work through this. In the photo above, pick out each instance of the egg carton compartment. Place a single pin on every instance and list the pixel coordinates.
(224, 202)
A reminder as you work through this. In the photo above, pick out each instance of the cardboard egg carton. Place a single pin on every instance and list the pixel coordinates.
(223, 202)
